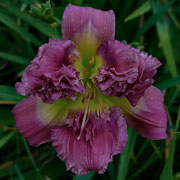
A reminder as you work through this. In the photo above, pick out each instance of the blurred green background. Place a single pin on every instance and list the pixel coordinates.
(23, 28)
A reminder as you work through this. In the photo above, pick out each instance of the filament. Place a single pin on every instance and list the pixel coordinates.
(84, 119)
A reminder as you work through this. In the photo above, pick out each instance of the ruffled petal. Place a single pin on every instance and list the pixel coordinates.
(28, 122)
(54, 54)
(87, 27)
(127, 71)
(148, 117)
(102, 138)
(51, 75)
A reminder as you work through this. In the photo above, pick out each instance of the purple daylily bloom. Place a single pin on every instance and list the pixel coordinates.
(84, 87)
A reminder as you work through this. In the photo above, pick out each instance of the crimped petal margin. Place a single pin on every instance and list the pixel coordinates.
(51, 74)
(81, 156)
(127, 71)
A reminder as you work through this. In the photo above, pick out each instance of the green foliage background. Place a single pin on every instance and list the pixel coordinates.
(154, 24)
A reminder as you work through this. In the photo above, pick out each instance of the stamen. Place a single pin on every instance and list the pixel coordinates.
(89, 65)
(84, 120)
(89, 86)
(88, 97)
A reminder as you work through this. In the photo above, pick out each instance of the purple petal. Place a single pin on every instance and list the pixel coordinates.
(28, 122)
(102, 137)
(127, 72)
(44, 77)
(148, 117)
(97, 24)
(52, 55)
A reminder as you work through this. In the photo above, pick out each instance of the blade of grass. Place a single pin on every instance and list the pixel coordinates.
(152, 20)
(8, 21)
(141, 150)
(167, 173)
(112, 171)
(148, 162)
(85, 177)
(14, 58)
(173, 97)
(126, 9)
(169, 83)
(6, 117)
(30, 1)
(156, 149)
(5, 168)
(38, 24)
(174, 19)
(18, 172)
(8, 93)
(125, 156)
(7, 102)
(6, 138)
(32, 159)
(164, 37)
(144, 8)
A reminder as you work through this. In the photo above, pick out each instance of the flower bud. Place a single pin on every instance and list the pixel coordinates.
(43, 10)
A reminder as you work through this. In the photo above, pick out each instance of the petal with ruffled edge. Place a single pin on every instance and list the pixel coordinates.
(49, 59)
(87, 27)
(51, 75)
(95, 150)
(127, 71)
(28, 122)
(148, 117)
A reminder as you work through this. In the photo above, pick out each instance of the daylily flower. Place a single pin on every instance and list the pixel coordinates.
(84, 87)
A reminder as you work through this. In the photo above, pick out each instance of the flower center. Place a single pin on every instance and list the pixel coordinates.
(88, 71)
